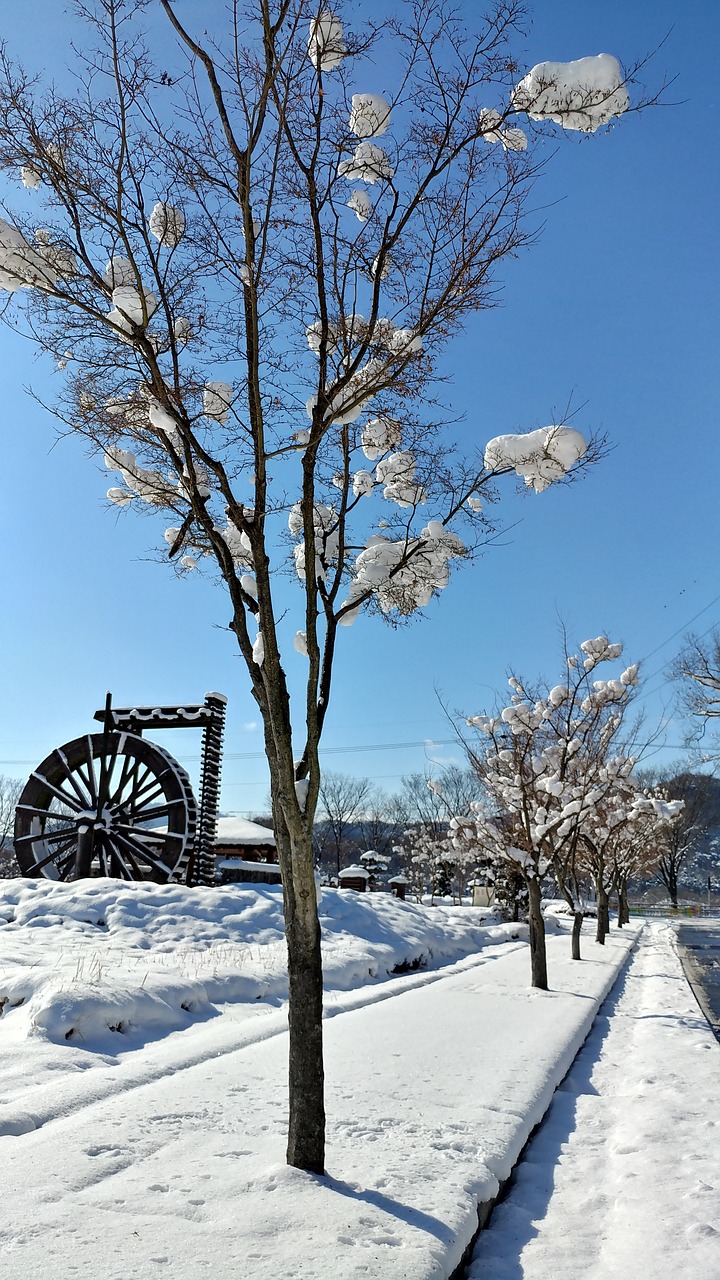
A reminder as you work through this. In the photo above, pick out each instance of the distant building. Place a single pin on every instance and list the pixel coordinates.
(245, 852)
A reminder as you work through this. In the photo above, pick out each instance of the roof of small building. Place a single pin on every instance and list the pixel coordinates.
(354, 873)
(239, 864)
(241, 831)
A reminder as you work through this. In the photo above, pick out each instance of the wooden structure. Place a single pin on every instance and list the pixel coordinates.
(354, 878)
(245, 852)
(398, 886)
(115, 804)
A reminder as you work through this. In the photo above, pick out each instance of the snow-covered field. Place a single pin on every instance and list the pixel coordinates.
(142, 1082)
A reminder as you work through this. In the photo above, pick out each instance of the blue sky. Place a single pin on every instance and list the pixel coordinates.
(615, 307)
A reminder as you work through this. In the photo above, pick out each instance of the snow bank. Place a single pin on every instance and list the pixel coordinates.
(87, 963)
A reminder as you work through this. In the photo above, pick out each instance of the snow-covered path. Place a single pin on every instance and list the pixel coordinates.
(623, 1179)
(432, 1092)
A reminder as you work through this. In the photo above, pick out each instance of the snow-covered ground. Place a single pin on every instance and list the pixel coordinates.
(623, 1179)
(143, 1098)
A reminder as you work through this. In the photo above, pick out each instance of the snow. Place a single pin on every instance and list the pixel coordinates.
(131, 306)
(539, 456)
(157, 1148)
(241, 831)
(167, 224)
(623, 1179)
(119, 271)
(24, 265)
(370, 115)
(489, 122)
(241, 864)
(326, 48)
(30, 176)
(369, 164)
(128, 1151)
(379, 435)
(361, 205)
(581, 95)
(217, 399)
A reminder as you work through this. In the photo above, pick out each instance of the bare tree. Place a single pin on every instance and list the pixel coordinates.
(697, 668)
(382, 821)
(340, 803)
(247, 214)
(432, 798)
(676, 844)
(10, 789)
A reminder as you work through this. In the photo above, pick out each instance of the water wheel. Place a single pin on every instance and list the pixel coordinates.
(108, 804)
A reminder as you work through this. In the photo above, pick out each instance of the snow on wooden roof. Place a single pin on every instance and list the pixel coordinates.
(241, 831)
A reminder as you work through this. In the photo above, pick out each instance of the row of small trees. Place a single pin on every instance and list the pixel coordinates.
(561, 795)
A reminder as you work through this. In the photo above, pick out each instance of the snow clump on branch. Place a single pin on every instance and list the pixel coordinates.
(361, 205)
(599, 650)
(119, 271)
(30, 176)
(348, 403)
(379, 435)
(150, 486)
(26, 266)
(403, 575)
(217, 399)
(131, 307)
(539, 456)
(580, 95)
(489, 122)
(327, 539)
(238, 544)
(370, 115)
(167, 224)
(397, 474)
(369, 164)
(326, 47)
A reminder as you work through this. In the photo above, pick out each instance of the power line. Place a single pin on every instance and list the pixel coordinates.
(682, 628)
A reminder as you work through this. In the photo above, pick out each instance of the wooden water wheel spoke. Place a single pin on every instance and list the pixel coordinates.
(133, 871)
(56, 792)
(110, 861)
(87, 773)
(35, 811)
(137, 848)
(45, 836)
(142, 814)
(140, 835)
(85, 797)
(150, 790)
(125, 772)
(58, 856)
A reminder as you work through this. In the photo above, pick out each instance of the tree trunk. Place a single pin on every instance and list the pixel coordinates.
(538, 956)
(577, 926)
(623, 907)
(603, 913)
(306, 1129)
